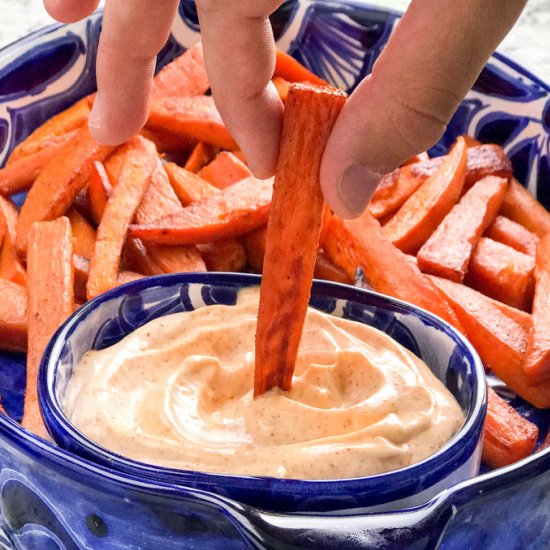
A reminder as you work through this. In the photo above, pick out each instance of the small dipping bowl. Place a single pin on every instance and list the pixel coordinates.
(115, 314)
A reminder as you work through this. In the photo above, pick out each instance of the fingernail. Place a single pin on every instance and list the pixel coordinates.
(94, 121)
(356, 187)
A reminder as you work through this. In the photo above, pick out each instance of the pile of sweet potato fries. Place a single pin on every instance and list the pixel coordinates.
(456, 235)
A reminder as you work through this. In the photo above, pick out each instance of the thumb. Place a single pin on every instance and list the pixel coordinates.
(429, 64)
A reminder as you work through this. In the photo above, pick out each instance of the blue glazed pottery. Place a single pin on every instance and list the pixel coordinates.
(50, 498)
(109, 318)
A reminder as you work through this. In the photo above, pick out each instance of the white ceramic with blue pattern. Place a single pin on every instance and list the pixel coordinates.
(51, 499)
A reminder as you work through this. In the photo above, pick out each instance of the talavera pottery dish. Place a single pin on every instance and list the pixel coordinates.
(50, 498)
(106, 320)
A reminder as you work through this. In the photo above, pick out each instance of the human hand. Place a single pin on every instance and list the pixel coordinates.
(402, 108)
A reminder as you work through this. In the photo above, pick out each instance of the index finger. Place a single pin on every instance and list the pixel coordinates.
(239, 53)
(125, 66)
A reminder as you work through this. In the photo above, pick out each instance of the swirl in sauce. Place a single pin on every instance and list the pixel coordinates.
(177, 392)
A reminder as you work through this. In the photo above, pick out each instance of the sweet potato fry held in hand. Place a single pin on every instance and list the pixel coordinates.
(292, 233)
(51, 301)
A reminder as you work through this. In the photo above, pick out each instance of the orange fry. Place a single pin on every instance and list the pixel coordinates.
(51, 301)
(537, 360)
(53, 130)
(520, 206)
(235, 211)
(293, 232)
(99, 191)
(195, 117)
(58, 184)
(502, 273)
(184, 76)
(20, 174)
(508, 437)
(201, 155)
(448, 250)
(160, 200)
(225, 170)
(13, 316)
(506, 231)
(415, 221)
(120, 210)
(188, 186)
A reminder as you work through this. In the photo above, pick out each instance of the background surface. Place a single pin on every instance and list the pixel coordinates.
(528, 42)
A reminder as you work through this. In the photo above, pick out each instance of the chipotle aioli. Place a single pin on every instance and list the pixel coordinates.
(178, 392)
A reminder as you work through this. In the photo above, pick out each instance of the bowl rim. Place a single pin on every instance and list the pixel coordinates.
(26, 442)
(433, 468)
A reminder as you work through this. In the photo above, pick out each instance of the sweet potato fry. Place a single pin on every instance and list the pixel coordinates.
(293, 232)
(508, 436)
(201, 155)
(81, 267)
(502, 273)
(84, 235)
(327, 270)
(225, 255)
(225, 170)
(136, 257)
(134, 178)
(471, 142)
(499, 340)
(486, 160)
(20, 174)
(188, 186)
(396, 188)
(195, 117)
(235, 211)
(53, 130)
(11, 267)
(288, 68)
(447, 252)
(58, 184)
(51, 301)
(520, 206)
(506, 231)
(99, 190)
(424, 210)
(160, 200)
(185, 76)
(282, 86)
(254, 244)
(13, 316)
(537, 359)
(362, 243)
(115, 162)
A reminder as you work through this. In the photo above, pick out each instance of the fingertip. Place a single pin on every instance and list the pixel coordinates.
(69, 11)
(112, 126)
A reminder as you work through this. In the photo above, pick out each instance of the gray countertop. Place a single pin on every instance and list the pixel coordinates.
(528, 42)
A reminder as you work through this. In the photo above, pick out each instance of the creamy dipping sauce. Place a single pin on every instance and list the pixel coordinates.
(178, 392)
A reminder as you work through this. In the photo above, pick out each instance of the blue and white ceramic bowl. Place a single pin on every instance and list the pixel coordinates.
(51, 499)
(110, 317)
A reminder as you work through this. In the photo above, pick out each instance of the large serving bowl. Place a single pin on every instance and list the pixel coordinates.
(107, 319)
(50, 498)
